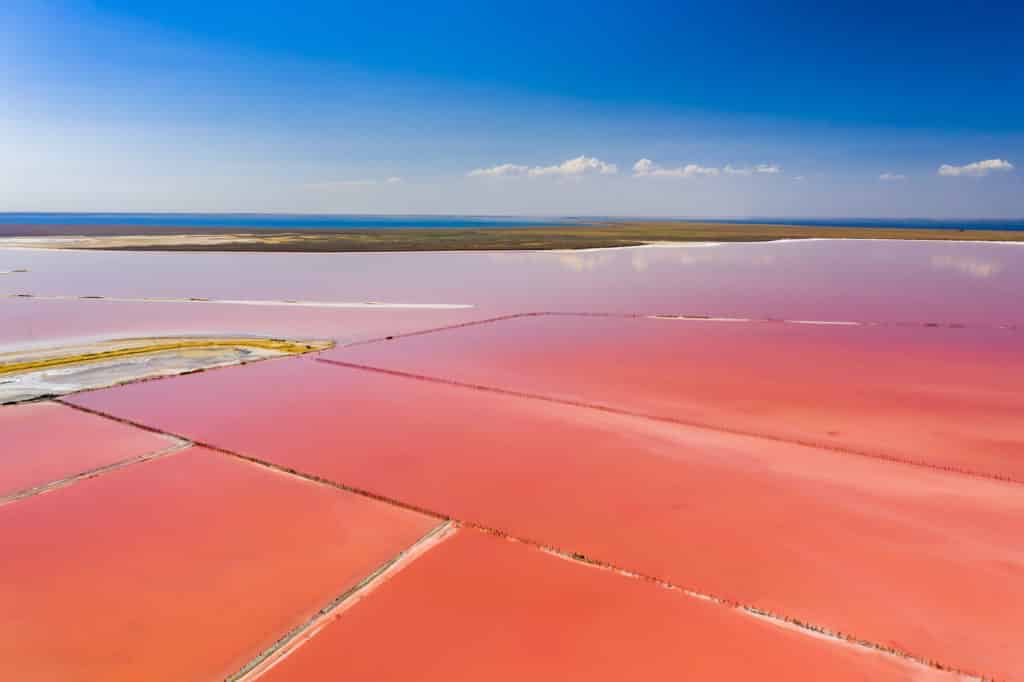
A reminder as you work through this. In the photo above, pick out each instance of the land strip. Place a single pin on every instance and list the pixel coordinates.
(38, 373)
(577, 236)
(11, 363)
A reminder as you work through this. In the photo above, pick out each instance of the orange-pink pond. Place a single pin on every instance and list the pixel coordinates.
(48, 442)
(481, 608)
(944, 397)
(911, 557)
(181, 568)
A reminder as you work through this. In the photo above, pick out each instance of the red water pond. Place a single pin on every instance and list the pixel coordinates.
(943, 397)
(182, 568)
(911, 557)
(481, 608)
(47, 442)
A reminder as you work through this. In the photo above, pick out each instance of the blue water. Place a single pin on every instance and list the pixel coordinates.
(923, 223)
(267, 221)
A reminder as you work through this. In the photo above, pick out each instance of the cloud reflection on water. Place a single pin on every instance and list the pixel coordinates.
(973, 267)
(640, 259)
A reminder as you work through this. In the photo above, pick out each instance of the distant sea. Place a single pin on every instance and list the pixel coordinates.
(303, 221)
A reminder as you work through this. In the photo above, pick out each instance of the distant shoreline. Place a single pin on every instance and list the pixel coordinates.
(397, 239)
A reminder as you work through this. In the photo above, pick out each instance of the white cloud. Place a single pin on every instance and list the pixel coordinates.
(342, 184)
(769, 168)
(733, 170)
(892, 177)
(978, 168)
(798, 178)
(643, 167)
(498, 171)
(351, 184)
(646, 168)
(581, 165)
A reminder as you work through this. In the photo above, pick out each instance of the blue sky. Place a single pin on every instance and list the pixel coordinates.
(658, 108)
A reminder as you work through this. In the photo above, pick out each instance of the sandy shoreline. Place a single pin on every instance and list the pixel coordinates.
(205, 244)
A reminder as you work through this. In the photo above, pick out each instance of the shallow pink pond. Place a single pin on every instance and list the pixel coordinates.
(46, 442)
(182, 568)
(938, 396)
(481, 608)
(911, 557)
(25, 323)
(835, 280)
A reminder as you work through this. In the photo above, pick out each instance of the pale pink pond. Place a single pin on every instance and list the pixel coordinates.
(27, 323)
(968, 283)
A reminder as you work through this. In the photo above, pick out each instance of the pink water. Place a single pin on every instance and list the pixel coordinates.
(919, 559)
(834, 280)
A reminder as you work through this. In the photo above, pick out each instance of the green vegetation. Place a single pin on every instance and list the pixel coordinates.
(566, 237)
(502, 239)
